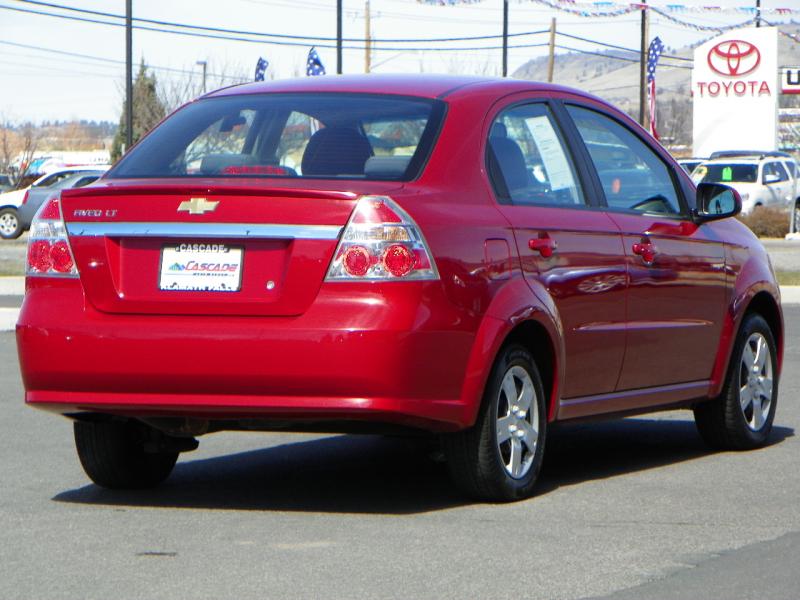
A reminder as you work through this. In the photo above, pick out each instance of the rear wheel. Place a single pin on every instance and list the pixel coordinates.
(741, 417)
(115, 454)
(10, 227)
(499, 458)
(796, 218)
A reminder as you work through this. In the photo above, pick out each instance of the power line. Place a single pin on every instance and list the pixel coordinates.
(272, 42)
(614, 46)
(306, 38)
(614, 57)
(111, 61)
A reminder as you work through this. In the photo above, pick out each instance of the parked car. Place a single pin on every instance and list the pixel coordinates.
(15, 218)
(762, 178)
(5, 183)
(35, 195)
(508, 256)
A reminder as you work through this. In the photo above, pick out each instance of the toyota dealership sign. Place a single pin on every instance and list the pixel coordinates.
(735, 87)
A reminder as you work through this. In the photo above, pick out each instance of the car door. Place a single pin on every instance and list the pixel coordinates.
(777, 181)
(676, 269)
(570, 250)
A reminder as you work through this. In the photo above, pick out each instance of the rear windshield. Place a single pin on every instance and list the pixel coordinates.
(348, 136)
(722, 173)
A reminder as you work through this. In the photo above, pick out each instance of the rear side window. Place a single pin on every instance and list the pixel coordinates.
(776, 170)
(727, 173)
(633, 176)
(349, 136)
(54, 179)
(528, 163)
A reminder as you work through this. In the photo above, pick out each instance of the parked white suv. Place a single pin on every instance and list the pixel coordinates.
(761, 178)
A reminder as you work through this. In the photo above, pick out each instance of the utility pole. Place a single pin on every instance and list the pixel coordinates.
(367, 39)
(339, 37)
(758, 13)
(128, 74)
(203, 64)
(505, 38)
(643, 67)
(551, 58)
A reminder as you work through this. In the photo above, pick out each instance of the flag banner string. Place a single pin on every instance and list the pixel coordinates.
(602, 8)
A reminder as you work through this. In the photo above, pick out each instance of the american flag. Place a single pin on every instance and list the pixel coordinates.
(653, 54)
(261, 69)
(314, 64)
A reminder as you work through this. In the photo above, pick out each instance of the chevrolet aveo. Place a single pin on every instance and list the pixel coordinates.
(468, 257)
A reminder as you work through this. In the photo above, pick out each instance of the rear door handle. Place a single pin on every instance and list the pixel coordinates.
(544, 245)
(646, 250)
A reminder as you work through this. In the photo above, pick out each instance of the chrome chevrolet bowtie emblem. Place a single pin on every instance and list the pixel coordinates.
(197, 206)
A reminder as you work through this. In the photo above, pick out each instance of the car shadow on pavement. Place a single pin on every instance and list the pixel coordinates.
(387, 475)
(582, 452)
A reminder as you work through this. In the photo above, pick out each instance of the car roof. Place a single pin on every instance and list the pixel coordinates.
(421, 85)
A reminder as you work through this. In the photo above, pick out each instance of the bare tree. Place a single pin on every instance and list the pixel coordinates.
(18, 144)
(179, 88)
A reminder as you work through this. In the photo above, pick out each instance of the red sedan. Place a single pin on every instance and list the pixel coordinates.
(470, 257)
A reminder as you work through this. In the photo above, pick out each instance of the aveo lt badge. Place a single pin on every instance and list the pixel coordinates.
(197, 206)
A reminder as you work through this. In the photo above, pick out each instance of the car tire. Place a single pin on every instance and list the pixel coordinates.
(796, 217)
(114, 456)
(499, 458)
(10, 225)
(741, 417)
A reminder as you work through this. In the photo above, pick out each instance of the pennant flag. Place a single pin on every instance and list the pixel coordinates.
(261, 69)
(314, 64)
(653, 54)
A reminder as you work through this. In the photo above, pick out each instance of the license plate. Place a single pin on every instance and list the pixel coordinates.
(201, 267)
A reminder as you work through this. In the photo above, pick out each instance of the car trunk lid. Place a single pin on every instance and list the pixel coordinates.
(243, 248)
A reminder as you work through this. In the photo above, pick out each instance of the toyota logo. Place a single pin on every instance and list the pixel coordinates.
(733, 58)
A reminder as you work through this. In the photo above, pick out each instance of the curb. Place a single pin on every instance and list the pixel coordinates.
(8, 318)
(12, 286)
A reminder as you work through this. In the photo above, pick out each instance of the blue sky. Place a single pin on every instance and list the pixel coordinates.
(38, 85)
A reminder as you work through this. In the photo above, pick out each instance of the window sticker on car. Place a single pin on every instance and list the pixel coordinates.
(727, 174)
(555, 163)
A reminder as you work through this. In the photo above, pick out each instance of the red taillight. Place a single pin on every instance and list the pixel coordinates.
(398, 260)
(357, 260)
(61, 257)
(381, 242)
(48, 246)
(25, 197)
(39, 256)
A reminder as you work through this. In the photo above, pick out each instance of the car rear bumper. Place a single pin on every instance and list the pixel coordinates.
(386, 353)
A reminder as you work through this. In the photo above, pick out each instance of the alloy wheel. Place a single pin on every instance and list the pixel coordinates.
(8, 224)
(755, 381)
(517, 422)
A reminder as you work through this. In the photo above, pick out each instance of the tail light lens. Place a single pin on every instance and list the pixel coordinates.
(381, 242)
(49, 253)
(25, 197)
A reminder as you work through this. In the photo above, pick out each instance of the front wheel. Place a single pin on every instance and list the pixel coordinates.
(499, 458)
(115, 455)
(10, 227)
(796, 218)
(741, 417)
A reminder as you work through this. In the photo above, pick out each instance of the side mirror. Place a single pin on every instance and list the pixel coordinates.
(716, 201)
(771, 178)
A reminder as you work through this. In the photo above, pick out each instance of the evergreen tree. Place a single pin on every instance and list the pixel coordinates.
(148, 110)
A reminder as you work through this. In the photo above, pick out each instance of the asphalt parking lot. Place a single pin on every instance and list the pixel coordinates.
(632, 509)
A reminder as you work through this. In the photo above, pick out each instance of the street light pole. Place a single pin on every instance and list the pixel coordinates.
(203, 64)
(128, 74)
(505, 38)
(339, 37)
(643, 67)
